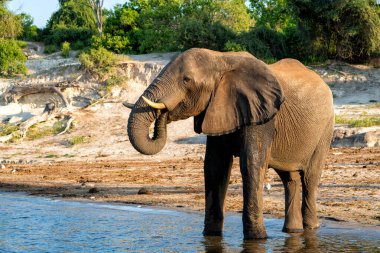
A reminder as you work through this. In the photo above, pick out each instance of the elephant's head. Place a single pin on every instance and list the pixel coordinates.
(224, 91)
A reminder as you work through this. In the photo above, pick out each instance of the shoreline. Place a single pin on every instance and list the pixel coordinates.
(329, 221)
(348, 193)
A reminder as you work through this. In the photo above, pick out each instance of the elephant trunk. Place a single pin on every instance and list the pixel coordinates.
(139, 122)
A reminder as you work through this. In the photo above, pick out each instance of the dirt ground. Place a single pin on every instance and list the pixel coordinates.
(349, 189)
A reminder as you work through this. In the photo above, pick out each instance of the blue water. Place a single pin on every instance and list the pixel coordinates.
(38, 224)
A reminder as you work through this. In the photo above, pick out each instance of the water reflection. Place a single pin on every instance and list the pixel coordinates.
(306, 242)
(311, 241)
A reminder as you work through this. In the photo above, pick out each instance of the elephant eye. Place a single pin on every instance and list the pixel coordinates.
(186, 80)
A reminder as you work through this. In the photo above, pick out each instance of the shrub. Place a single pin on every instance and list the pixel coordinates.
(234, 46)
(77, 140)
(29, 31)
(12, 59)
(59, 35)
(117, 44)
(7, 129)
(37, 131)
(98, 60)
(198, 33)
(265, 43)
(65, 49)
(77, 45)
(49, 49)
(347, 30)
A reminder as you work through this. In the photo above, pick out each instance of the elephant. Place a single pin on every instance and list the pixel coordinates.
(279, 116)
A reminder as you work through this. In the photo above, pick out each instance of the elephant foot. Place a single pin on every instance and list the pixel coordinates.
(311, 227)
(311, 224)
(293, 226)
(214, 228)
(212, 233)
(254, 235)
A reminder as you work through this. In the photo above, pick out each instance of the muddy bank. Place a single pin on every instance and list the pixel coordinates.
(349, 191)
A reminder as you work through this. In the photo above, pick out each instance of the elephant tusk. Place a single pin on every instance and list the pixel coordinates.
(159, 106)
(128, 105)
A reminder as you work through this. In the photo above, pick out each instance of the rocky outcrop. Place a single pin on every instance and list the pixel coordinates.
(356, 137)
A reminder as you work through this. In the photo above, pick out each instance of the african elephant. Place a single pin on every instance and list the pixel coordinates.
(279, 115)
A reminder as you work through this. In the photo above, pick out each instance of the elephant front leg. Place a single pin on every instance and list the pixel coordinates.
(217, 170)
(254, 155)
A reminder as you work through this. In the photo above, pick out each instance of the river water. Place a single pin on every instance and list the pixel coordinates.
(39, 224)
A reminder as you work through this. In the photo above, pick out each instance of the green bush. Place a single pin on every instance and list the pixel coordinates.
(72, 35)
(7, 129)
(117, 44)
(65, 49)
(12, 59)
(72, 14)
(39, 131)
(78, 45)
(167, 25)
(76, 140)
(347, 30)
(264, 43)
(98, 60)
(198, 33)
(234, 46)
(10, 24)
(298, 44)
(29, 31)
(49, 49)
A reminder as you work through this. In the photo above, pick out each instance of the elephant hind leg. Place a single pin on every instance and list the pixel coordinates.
(293, 216)
(310, 178)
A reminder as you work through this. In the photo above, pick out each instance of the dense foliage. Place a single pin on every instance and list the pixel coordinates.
(10, 25)
(309, 30)
(29, 31)
(98, 61)
(73, 22)
(72, 14)
(12, 59)
(143, 26)
(343, 29)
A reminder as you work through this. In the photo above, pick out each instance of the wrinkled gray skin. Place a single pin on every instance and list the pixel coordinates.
(278, 115)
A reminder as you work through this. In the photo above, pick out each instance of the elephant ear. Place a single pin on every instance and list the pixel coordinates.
(248, 94)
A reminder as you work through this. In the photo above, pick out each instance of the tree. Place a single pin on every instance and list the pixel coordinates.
(159, 21)
(12, 59)
(343, 29)
(9, 23)
(74, 22)
(97, 8)
(204, 24)
(72, 14)
(273, 14)
(29, 31)
(119, 30)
